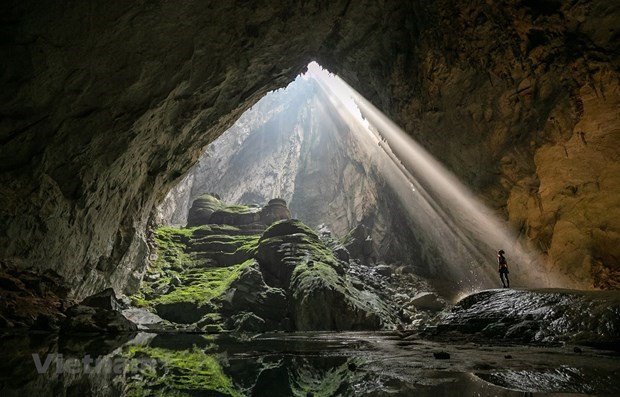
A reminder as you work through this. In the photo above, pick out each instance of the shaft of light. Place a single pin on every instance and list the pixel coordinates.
(448, 216)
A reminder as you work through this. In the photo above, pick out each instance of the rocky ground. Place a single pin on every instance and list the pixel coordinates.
(535, 316)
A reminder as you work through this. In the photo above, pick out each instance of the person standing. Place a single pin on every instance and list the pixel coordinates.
(502, 267)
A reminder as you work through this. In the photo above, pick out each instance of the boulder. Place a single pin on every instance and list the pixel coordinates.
(359, 244)
(89, 319)
(427, 301)
(202, 208)
(384, 270)
(321, 297)
(105, 299)
(144, 319)
(249, 293)
(247, 322)
(321, 301)
(274, 211)
(341, 253)
(185, 312)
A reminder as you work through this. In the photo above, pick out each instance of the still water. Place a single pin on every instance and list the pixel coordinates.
(302, 364)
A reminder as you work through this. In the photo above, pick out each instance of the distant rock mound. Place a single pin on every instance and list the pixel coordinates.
(202, 208)
(207, 209)
(275, 210)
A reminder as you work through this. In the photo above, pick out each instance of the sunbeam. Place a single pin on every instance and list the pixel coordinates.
(464, 234)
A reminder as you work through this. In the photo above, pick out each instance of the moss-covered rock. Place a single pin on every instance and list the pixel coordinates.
(249, 293)
(293, 257)
(218, 277)
(194, 267)
(202, 208)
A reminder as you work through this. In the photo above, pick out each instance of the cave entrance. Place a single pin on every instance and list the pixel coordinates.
(374, 217)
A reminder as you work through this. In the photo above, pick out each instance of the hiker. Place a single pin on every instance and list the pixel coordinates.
(502, 267)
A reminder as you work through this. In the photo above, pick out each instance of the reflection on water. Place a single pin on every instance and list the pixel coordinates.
(276, 365)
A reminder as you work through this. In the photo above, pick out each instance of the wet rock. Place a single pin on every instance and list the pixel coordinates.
(591, 317)
(248, 322)
(143, 319)
(495, 330)
(184, 312)
(105, 299)
(427, 301)
(88, 319)
(384, 270)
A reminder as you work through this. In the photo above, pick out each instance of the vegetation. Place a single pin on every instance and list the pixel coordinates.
(202, 261)
(202, 285)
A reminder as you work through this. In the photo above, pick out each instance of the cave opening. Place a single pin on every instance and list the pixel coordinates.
(341, 241)
(339, 170)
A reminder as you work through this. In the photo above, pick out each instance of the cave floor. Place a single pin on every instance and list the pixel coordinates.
(305, 364)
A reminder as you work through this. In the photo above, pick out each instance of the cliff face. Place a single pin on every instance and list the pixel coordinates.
(106, 107)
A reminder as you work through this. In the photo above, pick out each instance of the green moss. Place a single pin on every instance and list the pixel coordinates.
(189, 254)
(171, 247)
(309, 277)
(202, 285)
(207, 201)
(187, 372)
(303, 246)
(288, 227)
(239, 209)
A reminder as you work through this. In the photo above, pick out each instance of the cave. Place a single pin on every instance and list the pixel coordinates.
(188, 200)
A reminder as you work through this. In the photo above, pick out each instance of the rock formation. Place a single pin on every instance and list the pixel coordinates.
(106, 107)
(589, 318)
(208, 209)
(275, 210)
(283, 276)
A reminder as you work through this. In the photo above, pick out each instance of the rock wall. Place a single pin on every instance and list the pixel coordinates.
(106, 106)
(516, 101)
